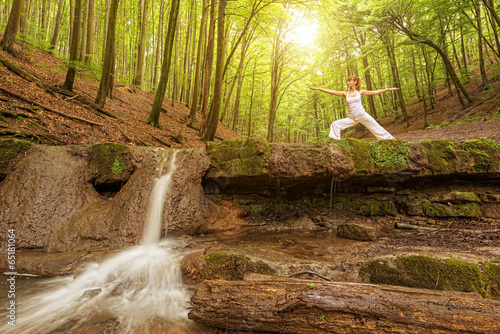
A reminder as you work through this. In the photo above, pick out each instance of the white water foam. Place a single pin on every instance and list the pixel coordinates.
(136, 288)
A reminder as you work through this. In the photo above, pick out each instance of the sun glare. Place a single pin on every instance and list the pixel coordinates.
(304, 28)
(305, 34)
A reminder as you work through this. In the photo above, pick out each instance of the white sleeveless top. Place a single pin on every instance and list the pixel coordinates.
(354, 106)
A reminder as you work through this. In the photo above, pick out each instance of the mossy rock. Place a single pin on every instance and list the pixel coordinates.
(418, 271)
(110, 162)
(491, 273)
(359, 152)
(231, 267)
(457, 197)
(469, 210)
(390, 155)
(9, 150)
(239, 157)
(481, 155)
(441, 154)
(369, 206)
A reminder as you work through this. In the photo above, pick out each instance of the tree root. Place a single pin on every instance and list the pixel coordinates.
(48, 108)
(160, 140)
(37, 138)
(84, 100)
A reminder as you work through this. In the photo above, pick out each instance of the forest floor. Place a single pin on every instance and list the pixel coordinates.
(448, 119)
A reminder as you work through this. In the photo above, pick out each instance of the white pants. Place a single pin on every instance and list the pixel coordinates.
(365, 119)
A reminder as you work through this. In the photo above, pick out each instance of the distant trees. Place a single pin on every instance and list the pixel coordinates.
(261, 87)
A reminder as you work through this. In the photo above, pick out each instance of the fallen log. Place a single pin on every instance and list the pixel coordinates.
(340, 307)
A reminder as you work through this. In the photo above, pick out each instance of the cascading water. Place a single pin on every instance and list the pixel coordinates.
(136, 291)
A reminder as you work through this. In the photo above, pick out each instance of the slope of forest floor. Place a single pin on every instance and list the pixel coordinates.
(132, 106)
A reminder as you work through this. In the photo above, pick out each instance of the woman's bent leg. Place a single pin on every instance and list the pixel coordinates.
(340, 125)
(376, 129)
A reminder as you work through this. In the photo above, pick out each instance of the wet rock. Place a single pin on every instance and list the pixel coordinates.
(358, 231)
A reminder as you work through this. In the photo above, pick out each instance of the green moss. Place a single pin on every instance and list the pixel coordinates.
(10, 149)
(359, 152)
(492, 279)
(369, 206)
(239, 157)
(441, 154)
(231, 267)
(426, 272)
(105, 159)
(481, 155)
(390, 155)
(471, 209)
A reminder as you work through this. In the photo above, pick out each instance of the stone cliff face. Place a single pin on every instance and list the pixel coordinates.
(50, 196)
(83, 198)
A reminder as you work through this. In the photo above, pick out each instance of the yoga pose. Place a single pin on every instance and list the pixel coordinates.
(355, 111)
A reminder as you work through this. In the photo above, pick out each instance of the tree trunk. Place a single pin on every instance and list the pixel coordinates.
(89, 51)
(317, 307)
(217, 100)
(154, 116)
(208, 69)
(108, 56)
(83, 40)
(199, 61)
(73, 51)
(141, 53)
(9, 37)
(57, 26)
(482, 69)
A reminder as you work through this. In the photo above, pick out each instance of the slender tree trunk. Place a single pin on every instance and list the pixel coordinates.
(141, 53)
(158, 45)
(73, 52)
(154, 116)
(482, 69)
(415, 75)
(217, 100)
(89, 53)
(208, 69)
(83, 39)
(108, 56)
(9, 37)
(57, 26)
(199, 61)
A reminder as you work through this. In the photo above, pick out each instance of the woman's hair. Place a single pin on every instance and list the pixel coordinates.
(356, 80)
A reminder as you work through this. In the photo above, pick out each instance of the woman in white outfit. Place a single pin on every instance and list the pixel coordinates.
(355, 111)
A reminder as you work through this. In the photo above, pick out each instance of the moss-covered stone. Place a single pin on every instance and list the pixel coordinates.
(369, 207)
(390, 155)
(359, 152)
(231, 267)
(481, 155)
(441, 154)
(109, 161)
(239, 157)
(470, 210)
(420, 271)
(491, 273)
(457, 197)
(10, 149)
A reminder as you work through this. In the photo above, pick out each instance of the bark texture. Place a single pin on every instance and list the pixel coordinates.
(337, 307)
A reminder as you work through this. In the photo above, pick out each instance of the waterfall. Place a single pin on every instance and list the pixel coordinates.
(152, 231)
(138, 290)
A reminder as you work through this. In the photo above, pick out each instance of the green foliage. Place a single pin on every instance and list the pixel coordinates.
(118, 166)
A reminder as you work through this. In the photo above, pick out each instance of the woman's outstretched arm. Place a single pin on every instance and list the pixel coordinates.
(333, 92)
(376, 92)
